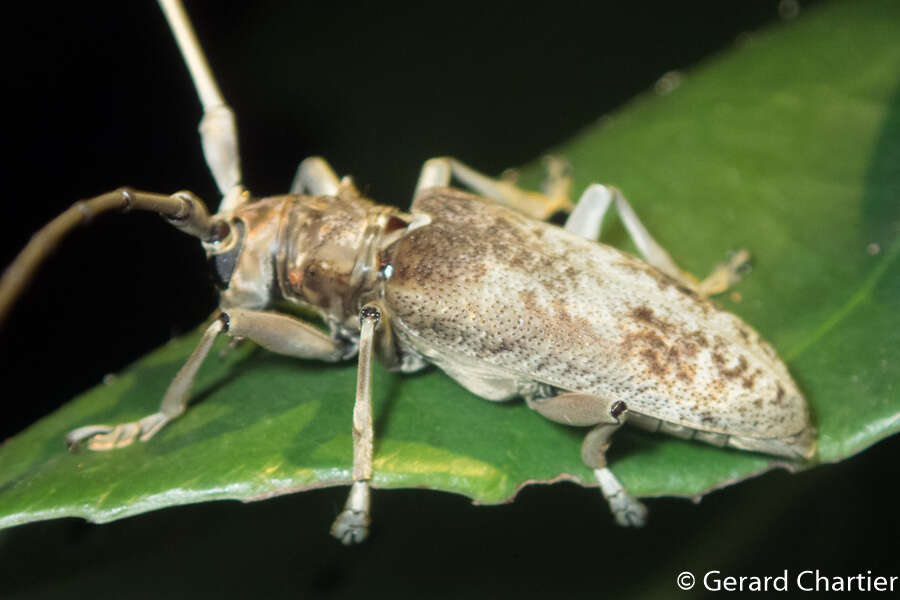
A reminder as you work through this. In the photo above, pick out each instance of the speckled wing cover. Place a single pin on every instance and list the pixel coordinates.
(486, 288)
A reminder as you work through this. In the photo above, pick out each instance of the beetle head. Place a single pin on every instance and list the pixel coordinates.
(243, 259)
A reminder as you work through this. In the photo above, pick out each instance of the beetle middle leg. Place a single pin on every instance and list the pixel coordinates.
(315, 177)
(275, 332)
(352, 525)
(587, 218)
(575, 408)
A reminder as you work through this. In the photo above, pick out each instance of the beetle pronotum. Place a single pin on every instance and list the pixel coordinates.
(395, 229)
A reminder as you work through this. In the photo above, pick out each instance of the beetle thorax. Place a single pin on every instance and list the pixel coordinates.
(320, 252)
(321, 259)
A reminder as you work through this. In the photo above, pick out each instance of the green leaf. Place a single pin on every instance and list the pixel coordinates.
(787, 146)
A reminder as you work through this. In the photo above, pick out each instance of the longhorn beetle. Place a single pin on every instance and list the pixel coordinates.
(480, 286)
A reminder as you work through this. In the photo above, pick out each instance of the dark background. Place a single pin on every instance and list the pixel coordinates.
(95, 100)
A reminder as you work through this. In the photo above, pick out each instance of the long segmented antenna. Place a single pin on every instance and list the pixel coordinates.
(183, 210)
(218, 132)
(218, 135)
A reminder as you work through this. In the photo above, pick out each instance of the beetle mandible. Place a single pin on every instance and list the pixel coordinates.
(480, 286)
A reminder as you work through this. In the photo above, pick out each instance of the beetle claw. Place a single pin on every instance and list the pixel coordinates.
(628, 511)
(106, 437)
(351, 526)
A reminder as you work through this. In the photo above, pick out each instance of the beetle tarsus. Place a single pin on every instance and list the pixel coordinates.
(106, 437)
(352, 525)
(627, 510)
(76, 436)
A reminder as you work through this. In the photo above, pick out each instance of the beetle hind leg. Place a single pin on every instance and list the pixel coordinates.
(587, 218)
(627, 510)
(575, 408)
(438, 172)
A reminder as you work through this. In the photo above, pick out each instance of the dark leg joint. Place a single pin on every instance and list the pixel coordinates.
(226, 322)
(369, 313)
(617, 409)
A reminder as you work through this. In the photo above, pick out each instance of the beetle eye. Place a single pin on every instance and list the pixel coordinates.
(225, 263)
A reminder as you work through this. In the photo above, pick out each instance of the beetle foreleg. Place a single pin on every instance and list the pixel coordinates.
(276, 332)
(285, 335)
(438, 172)
(104, 437)
(352, 525)
(587, 218)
